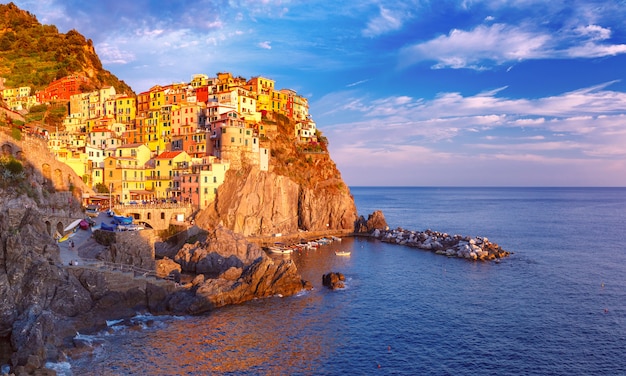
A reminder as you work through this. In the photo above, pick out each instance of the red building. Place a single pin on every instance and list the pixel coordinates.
(62, 88)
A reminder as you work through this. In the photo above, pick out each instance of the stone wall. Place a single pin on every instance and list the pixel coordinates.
(128, 247)
(47, 171)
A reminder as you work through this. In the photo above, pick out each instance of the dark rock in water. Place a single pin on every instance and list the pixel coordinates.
(333, 280)
(376, 220)
(265, 277)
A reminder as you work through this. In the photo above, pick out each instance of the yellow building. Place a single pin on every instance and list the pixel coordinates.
(199, 80)
(125, 109)
(162, 176)
(157, 97)
(151, 127)
(279, 102)
(126, 171)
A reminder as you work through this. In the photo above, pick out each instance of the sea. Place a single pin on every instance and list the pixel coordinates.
(555, 306)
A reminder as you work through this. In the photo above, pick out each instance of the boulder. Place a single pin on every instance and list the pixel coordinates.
(165, 266)
(375, 221)
(263, 278)
(222, 250)
(333, 280)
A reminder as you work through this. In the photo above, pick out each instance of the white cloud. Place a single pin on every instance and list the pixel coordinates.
(594, 32)
(386, 21)
(265, 45)
(113, 55)
(577, 132)
(497, 44)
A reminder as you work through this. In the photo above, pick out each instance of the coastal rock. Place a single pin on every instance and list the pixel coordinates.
(232, 274)
(166, 266)
(254, 202)
(333, 280)
(466, 247)
(35, 290)
(222, 250)
(375, 221)
(263, 278)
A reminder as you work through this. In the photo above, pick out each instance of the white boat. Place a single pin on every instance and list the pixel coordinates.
(280, 250)
(72, 225)
(342, 253)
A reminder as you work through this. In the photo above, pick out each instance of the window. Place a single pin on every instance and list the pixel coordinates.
(162, 215)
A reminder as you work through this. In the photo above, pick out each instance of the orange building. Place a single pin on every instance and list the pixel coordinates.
(63, 88)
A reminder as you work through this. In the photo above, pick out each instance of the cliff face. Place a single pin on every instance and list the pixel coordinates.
(302, 190)
(36, 292)
(254, 202)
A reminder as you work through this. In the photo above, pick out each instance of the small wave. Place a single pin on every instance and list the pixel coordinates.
(61, 368)
(303, 293)
(114, 322)
(87, 338)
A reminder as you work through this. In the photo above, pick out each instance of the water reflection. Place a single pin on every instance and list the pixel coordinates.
(268, 336)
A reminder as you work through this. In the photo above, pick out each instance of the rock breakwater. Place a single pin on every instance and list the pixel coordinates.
(466, 247)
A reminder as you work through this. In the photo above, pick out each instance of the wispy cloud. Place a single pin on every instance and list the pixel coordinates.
(496, 44)
(572, 126)
(357, 83)
(387, 20)
(265, 45)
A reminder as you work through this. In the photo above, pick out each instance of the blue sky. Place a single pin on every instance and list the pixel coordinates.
(420, 93)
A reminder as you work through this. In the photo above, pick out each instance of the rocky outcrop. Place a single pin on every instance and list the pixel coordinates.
(374, 221)
(222, 250)
(263, 203)
(265, 277)
(230, 270)
(333, 280)
(35, 290)
(167, 267)
(43, 302)
(466, 247)
(260, 203)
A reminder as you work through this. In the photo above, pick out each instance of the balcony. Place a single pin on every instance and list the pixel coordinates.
(158, 178)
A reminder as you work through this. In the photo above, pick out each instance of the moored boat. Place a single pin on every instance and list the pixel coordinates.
(120, 219)
(281, 250)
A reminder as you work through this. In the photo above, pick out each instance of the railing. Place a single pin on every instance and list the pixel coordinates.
(124, 268)
(152, 206)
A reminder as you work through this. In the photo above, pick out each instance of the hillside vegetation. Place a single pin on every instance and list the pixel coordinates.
(307, 164)
(32, 54)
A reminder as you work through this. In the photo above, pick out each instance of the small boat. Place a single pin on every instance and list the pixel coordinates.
(342, 253)
(72, 225)
(323, 241)
(335, 238)
(280, 248)
(106, 227)
(120, 219)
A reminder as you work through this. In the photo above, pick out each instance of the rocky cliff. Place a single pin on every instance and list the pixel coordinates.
(301, 191)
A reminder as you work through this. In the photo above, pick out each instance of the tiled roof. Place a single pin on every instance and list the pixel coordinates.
(168, 154)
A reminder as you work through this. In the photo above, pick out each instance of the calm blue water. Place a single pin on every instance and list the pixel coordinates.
(557, 306)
